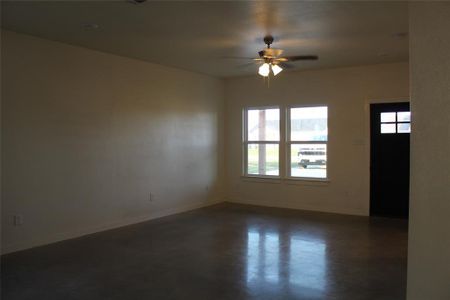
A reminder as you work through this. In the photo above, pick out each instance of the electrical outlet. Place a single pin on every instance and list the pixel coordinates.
(17, 220)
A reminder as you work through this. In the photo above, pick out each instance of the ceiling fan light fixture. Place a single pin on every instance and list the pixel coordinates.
(264, 70)
(272, 58)
(276, 69)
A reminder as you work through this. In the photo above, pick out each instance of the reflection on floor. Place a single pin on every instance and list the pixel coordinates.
(222, 252)
(304, 267)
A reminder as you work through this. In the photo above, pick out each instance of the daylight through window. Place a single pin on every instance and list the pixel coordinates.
(395, 122)
(262, 142)
(305, 151)
(307, 141)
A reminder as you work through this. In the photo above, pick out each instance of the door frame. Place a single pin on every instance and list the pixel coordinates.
(366, 141)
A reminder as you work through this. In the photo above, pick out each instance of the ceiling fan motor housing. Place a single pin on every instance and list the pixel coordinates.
(268, 40)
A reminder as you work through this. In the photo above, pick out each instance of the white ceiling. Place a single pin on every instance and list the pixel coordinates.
(202, 36)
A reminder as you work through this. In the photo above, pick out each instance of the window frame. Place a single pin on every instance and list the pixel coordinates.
(284, 145)
(289, 142)
(246, 142)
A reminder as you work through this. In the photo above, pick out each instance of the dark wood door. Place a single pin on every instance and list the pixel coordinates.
(389, 159)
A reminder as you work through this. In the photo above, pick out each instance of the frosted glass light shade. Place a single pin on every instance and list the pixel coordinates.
(264, 70)
(276, 69)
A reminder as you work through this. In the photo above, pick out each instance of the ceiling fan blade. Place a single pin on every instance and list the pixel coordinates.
(286, 65)
(301, 57)
(236, 57)
(243, 66)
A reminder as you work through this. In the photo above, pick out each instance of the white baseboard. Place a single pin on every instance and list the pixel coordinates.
(44, 240)
(353, 212)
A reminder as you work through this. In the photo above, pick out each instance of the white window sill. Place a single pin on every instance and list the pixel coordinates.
(308, 181)
(261, 179)
(293, 181)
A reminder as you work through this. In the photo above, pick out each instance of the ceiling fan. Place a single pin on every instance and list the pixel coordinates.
(272, 61)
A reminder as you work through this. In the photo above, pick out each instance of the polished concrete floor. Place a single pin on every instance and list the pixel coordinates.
(221, 252)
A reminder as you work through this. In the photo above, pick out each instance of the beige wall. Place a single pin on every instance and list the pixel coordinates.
(347, 92)
(429, 231)
(87, 136)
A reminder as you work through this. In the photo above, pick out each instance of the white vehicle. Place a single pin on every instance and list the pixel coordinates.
(312, 156)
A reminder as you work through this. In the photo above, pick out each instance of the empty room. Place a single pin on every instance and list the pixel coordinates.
(229, 150)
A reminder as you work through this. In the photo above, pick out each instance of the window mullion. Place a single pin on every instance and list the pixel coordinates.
(244, 144)
(261, 142)
(287, 139)
(282, 146)
(307, 142)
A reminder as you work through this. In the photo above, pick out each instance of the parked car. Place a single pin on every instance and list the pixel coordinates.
(312, 156)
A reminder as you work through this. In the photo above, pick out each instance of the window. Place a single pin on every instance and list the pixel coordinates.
(395, 122)
(262, 142)
(305, 151)
(307, 142)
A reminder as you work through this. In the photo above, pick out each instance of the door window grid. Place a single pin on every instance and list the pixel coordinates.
(395, 122)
